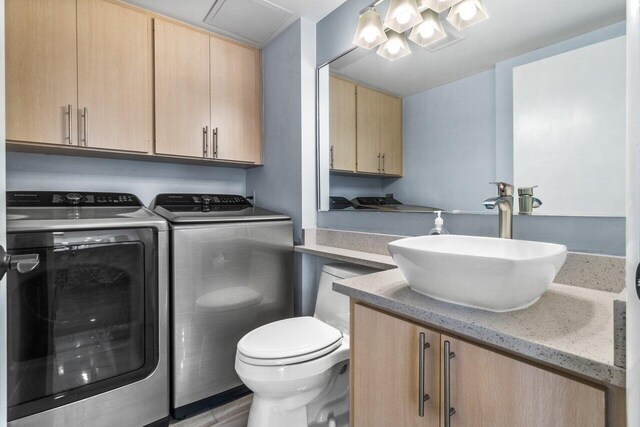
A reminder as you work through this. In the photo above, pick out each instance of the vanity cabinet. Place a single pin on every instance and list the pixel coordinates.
(485, 387)
(78, 73)
(365, 130)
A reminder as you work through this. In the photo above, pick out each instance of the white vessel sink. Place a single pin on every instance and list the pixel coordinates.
(480, 272)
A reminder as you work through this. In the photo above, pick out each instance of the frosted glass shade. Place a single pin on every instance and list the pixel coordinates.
(467, 13)
(402, 15)
(429, 30)
(370, 32)
(437, 5)
(395, 47)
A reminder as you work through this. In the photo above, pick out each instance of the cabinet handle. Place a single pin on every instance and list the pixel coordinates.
(379, 164)
(331, 156)
(382, 162)
(422, 396)
(215, 143)
(85, 126)
(448, 410)
(68, 114)
(205, 142)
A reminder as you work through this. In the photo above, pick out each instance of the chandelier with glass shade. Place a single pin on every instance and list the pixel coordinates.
(424, 19)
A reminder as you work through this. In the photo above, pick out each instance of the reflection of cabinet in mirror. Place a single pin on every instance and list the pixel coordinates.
(365, 129)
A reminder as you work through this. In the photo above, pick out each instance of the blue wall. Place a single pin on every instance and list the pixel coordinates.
(27, 171)
(278, 184)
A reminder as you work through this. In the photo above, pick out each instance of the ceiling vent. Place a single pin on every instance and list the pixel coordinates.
(254, 21)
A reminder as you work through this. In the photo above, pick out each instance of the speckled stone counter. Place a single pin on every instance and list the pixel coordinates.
(569, 328)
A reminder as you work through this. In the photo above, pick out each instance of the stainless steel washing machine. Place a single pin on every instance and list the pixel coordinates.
(87, 308)
(231, 273)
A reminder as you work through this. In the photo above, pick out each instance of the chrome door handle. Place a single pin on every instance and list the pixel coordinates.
(85, 125)
(69, 118)
(448, 410)
(331, 157)
(19, 263)
(205, 142)
(422, 396)
(215, 143)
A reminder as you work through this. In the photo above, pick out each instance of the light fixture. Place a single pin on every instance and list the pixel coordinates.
(370, 32)
(429, 30)
(437, 5)
(395, 47)
(466, 13)
(402, 15)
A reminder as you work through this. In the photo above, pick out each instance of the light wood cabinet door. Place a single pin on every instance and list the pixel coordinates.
(370, 114)
(385, 356)
(489, 389)
(342, 124)
(182, 94)
(115, 77)
(41, 71)
(236, 101)
(392, 136)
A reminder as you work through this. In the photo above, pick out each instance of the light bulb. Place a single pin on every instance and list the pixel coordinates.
(426, 30)
(369, 34)
(467, 10)
(403, 15)
(393, 47)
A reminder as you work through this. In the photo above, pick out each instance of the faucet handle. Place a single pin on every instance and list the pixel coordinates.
(504, 189)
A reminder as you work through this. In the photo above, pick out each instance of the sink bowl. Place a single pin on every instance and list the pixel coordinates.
(480, 272)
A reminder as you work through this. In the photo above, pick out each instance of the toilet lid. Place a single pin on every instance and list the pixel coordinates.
(290, 338)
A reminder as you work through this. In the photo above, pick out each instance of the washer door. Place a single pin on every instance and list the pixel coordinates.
(83, 321)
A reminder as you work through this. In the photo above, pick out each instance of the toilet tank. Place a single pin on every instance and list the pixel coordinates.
(333, 307)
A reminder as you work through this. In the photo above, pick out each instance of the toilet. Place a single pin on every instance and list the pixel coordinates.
(298, 369)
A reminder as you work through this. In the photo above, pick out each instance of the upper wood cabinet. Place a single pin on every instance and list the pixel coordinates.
(365, 129)
(236, 101)
(486, 388)
(115, 77)
(181, 90)
(41, 71)
(342, 124)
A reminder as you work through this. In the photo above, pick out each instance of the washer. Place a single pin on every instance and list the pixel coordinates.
(231, 272)
(87, 311)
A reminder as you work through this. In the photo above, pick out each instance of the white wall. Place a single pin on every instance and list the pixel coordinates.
(569, 114)
(26, 171)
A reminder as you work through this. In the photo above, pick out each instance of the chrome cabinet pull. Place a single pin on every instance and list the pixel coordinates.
(383, 162)
(215, 143)
(331, 158)
(205, 142)
(422, 396)
(85, 125)
(448, 410)
(69, 117)
(379, 164)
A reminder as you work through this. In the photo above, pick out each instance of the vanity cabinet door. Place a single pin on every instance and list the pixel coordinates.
(115, 74)
(236, 101)
(489, 389)
(41, 71)
(342, 124)
(181, 90)
(385, 358)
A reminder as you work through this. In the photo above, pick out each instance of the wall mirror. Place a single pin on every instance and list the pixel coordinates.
(534, 95)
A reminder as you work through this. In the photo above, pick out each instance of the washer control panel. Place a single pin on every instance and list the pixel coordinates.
(23, 199)
(212, 200)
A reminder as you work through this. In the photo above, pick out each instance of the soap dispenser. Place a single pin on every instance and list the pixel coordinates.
(439, 223)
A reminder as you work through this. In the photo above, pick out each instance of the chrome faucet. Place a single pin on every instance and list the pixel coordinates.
(504, 202)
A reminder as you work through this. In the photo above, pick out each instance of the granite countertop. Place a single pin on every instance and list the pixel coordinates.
(569, 328)
(381, 262)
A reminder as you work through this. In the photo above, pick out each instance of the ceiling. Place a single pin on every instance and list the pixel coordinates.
(194, 12)
(515, 27)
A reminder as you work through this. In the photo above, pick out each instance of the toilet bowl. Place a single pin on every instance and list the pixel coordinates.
(298, 368)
